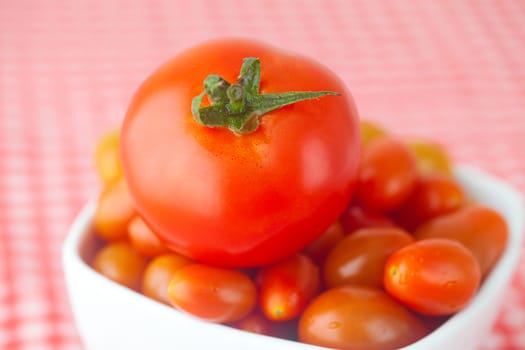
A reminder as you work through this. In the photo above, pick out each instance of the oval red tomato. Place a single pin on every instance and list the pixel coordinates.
(481, 229)
(120, 262)
(240, 199)
(143, 239)
(387, 174)
(360, 257)
(358, 317)
(434, 195)
(212, 293)
(433, 276)
(286, 287)
(114, 212)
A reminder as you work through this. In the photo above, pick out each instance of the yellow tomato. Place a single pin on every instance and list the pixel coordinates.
(431, 157)
(107, 157)
(370, 131)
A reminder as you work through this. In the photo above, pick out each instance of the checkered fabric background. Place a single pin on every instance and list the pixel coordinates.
(450, 70)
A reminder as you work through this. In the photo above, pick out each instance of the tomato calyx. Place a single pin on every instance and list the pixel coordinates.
(238, 106)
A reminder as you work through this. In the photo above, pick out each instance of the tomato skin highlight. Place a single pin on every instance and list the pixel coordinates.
(211, 293)
(236, 200)
(481, 229)
(285, 287)
(358, 318)
(434, 276)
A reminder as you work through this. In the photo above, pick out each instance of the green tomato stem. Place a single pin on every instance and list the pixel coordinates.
(238, 106)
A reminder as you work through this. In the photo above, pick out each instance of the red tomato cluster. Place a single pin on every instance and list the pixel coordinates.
(410, 250)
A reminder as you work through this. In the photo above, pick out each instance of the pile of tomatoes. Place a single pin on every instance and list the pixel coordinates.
(409, 250)
(264, 204)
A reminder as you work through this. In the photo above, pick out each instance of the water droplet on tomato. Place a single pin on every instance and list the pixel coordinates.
(450, 284)
(334, 324)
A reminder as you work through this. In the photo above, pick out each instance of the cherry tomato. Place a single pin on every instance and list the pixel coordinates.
(387, 174)
(238, 198)
(143, 239)
(159, 273)
(212, 293)
(319, 249)
(358, 317)
(120, 262)
(431, 157)
(107, 157)
(360, 258)
(370, 131)
(356, 217)
(433, 276)
(114, 211)
(482, 230)
(255, 323)
(285, 287)
(433, 195)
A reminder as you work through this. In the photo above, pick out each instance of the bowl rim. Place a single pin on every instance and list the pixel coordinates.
(468, 176)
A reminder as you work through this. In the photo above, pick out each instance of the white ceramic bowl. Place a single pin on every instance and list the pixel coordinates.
(109, 316)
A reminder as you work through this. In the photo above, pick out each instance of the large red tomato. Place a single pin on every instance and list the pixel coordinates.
(256, 183)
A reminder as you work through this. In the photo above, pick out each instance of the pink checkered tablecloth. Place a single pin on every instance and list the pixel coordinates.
(450, 70)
